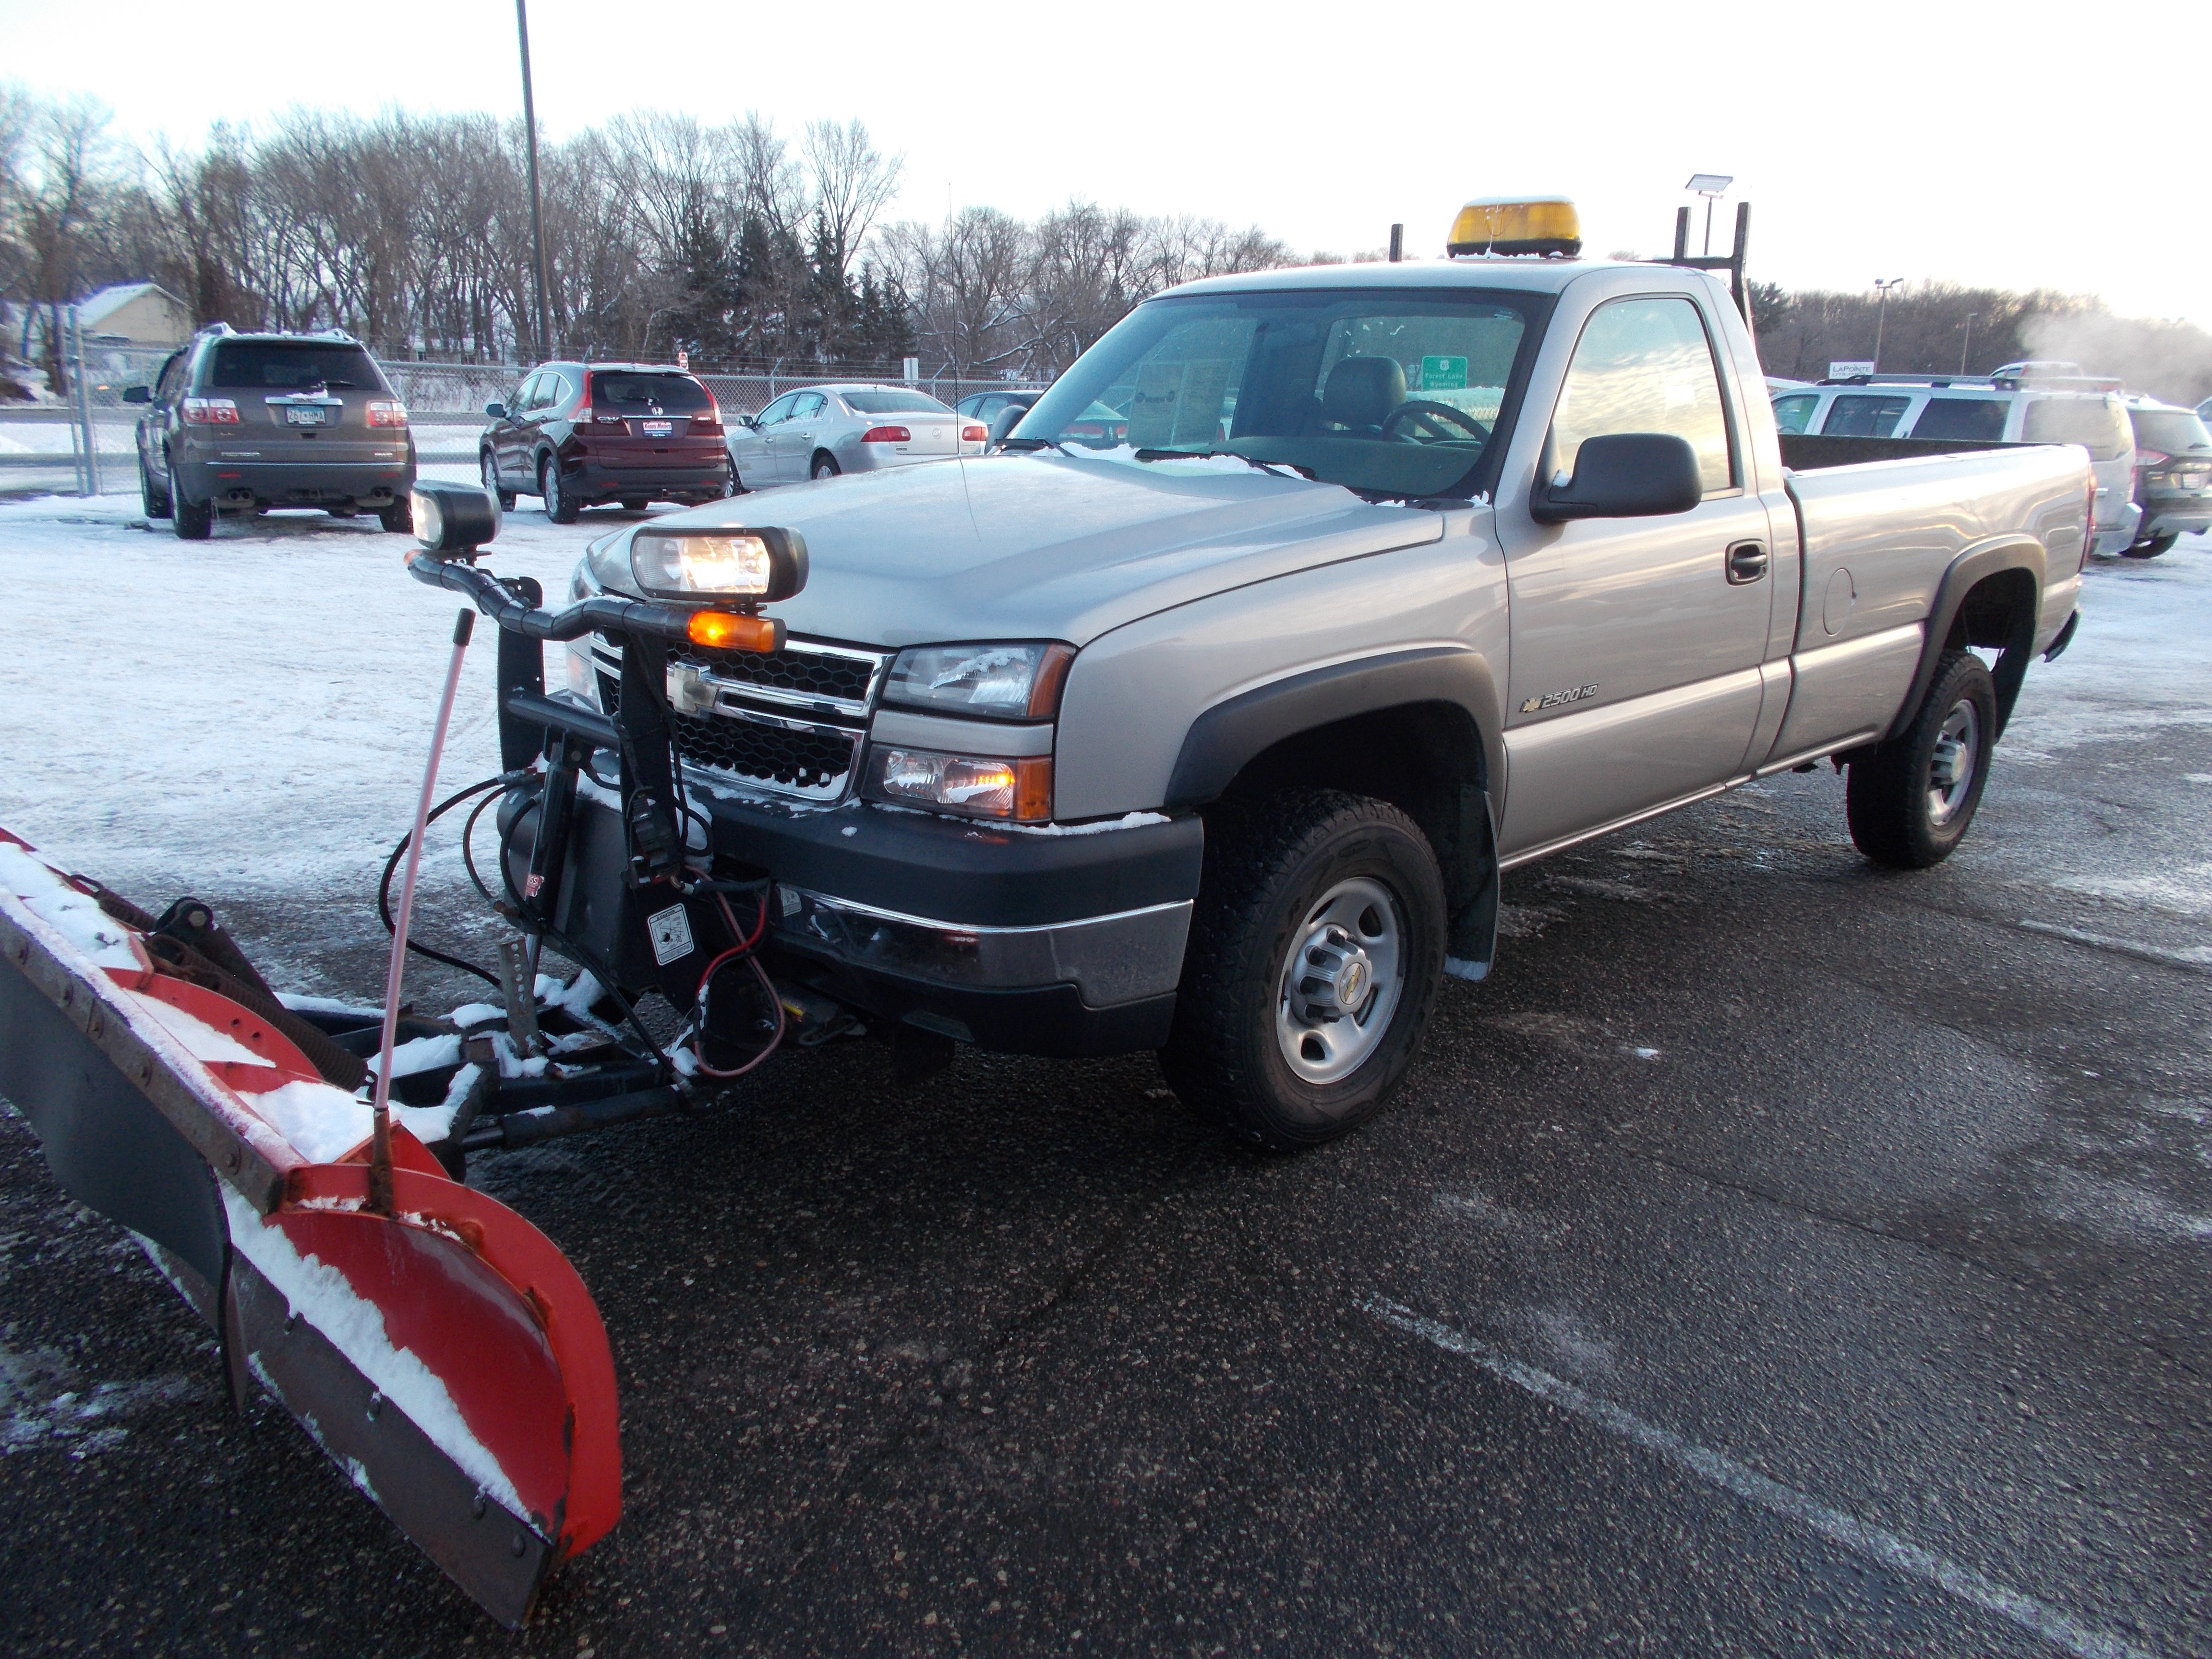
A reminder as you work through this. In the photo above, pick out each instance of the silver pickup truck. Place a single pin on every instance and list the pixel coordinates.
(1215, 738)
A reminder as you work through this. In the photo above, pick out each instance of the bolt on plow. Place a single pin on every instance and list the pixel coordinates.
(294, 1166)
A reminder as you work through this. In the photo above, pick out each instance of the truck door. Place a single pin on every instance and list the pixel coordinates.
(1635, 642)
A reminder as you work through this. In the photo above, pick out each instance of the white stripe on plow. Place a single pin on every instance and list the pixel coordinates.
(1876, 1544)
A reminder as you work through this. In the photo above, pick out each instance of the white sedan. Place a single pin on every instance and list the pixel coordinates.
(820, 431)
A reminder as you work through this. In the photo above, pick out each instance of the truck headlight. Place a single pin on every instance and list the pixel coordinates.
(761, 564)
(974, 785)
(1015, 682)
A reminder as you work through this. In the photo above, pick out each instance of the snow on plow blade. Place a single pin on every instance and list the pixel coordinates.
(446, 1356)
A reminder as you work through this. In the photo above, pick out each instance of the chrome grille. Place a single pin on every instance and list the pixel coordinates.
(789, 721)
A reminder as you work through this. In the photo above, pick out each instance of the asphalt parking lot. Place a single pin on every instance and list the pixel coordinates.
(1775, 1256)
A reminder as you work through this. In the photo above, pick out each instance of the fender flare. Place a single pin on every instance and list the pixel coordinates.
(1233, 733)
(1227, 737)
(1962, 577)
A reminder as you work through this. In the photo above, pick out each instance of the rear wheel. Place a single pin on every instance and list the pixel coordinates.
(1316, 951)
(825, 465)
(490, 469)
(560, 506)
(2154, 547)
(399, 518)
(194, 521)
(633, 504)
(1908, 802)
(155, 501)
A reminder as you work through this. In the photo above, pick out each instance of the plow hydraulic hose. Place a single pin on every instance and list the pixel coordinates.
(379, 1162)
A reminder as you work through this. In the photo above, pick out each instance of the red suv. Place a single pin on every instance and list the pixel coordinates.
(578, 435)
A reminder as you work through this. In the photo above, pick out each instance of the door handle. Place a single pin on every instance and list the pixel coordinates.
(1746, 563)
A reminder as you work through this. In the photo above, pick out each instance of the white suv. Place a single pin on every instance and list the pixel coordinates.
(2003, 409)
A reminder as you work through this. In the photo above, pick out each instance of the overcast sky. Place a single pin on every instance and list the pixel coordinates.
(2016, 145)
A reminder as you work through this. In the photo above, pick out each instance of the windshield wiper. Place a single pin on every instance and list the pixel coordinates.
(1305, 472)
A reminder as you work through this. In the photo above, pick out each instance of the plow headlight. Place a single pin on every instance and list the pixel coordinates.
(755, 564)
(451, 518)
(1017, 681)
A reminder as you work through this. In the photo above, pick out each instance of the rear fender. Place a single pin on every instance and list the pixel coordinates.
(2014, 639)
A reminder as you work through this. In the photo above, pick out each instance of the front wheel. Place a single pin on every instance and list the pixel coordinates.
(490, 469)
(825, 466)
(560, 506)
(2152, 548)
(1909, 800)
(1314, 953)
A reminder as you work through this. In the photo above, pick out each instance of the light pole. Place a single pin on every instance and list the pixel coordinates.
(1712, 186)
(1965, 343)
(1883, 286)
(536, 225)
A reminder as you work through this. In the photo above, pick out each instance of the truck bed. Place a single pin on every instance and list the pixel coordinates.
(1876, 533)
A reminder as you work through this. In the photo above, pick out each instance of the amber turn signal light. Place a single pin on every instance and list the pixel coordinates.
(721, 631)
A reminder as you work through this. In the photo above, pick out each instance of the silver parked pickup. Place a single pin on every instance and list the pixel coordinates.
(1215, 738)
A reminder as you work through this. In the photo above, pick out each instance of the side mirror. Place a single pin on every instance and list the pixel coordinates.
(1623, 475)
(1004, 421)
(138, 394)
(497, 411)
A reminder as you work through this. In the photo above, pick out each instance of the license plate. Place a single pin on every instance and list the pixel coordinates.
(298, 416)
(657, 429)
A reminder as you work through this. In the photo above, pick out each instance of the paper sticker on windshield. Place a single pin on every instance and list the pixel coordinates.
(1179, 404)
(1443, 374)
(672, 934)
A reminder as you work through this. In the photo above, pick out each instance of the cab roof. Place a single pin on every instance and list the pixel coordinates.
(1527, 273)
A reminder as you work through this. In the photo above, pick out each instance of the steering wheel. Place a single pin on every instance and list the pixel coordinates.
(1436, 417)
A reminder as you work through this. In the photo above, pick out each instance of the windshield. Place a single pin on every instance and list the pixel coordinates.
(894, 403)
(1391, 390)
(649, 394)
(293, 365)
(2175, 431)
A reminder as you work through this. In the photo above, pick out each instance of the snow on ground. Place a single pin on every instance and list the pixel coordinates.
(251, 713)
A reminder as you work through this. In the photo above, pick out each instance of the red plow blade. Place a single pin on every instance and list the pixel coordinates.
(446, 1356)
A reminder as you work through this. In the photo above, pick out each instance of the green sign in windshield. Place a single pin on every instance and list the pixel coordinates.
(1443, 374)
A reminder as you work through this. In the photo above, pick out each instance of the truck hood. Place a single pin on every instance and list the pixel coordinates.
(1042, 546)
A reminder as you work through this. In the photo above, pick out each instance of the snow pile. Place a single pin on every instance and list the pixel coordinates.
(321, 1295)
(77, 918)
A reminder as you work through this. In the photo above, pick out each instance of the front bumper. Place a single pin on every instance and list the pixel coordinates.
(1025, 943)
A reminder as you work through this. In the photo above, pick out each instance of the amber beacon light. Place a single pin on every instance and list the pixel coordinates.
(1542, 225)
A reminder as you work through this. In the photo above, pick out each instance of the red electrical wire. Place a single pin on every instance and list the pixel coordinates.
(743, 948)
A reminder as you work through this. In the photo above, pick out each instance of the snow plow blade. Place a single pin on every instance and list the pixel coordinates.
(446, 1356)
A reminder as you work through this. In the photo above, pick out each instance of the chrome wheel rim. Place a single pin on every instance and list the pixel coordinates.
(490, 474)
(1341, 980)
(1951, 769)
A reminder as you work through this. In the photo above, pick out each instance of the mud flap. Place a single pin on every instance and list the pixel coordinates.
(446, 1356)
(1472, 885)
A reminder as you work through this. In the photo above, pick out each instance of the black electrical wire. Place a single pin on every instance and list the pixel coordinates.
(468, 849)
(391, 864)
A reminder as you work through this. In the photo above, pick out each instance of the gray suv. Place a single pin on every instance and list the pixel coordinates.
(240, 423)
